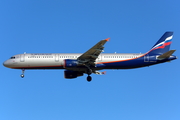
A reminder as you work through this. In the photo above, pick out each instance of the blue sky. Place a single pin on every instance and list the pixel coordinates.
(73, 26)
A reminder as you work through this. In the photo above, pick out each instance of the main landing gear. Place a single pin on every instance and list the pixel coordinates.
(89, 78)
(22, 75)
(89, 72)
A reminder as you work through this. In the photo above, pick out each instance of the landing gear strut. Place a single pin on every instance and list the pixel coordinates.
(89, 72)
(22, 75)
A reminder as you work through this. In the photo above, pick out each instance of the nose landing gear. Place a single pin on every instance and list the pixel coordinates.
(22, 75)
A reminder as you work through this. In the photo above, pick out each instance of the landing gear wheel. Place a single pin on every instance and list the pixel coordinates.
(22, 75)
(89, 78)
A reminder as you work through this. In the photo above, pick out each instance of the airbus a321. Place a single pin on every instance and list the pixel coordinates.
(93, 60)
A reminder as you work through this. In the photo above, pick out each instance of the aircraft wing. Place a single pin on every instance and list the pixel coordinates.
(90, 56)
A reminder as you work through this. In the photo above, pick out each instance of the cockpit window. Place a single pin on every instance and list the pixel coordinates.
(12, 58)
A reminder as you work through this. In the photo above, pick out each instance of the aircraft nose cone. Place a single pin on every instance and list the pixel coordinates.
(6, 63)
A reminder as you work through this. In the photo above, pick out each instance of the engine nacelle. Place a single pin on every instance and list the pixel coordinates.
(68, 74)
(70, 63)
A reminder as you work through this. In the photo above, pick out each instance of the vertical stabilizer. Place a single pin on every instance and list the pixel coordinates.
(162, 45)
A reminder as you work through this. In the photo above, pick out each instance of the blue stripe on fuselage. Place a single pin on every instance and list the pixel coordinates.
(135, 63)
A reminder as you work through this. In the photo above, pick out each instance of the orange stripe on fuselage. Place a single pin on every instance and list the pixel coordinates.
(123, 60)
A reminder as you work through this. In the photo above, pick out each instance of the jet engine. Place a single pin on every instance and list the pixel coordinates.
(69, 63)
(68, 74)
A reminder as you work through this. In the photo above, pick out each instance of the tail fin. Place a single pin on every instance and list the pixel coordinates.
(163, 44)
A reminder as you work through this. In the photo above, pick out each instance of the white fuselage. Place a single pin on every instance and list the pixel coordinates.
(30, 61)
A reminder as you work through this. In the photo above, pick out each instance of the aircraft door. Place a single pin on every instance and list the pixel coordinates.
(146, 58)
(22, 57)
(152, 58)
(57, 57)
(99, 58)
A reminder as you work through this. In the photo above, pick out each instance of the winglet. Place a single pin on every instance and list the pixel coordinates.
(107, 39)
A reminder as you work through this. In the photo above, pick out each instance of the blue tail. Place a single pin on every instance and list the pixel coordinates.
(162, 45)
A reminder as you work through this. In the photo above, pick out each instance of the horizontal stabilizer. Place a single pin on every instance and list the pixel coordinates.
(166, 55)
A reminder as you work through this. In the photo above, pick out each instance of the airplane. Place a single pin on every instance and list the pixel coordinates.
(93, 60)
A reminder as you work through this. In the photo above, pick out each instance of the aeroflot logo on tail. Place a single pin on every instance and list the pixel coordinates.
(164, 43)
